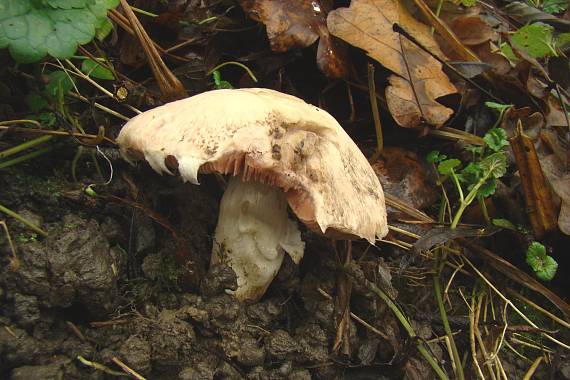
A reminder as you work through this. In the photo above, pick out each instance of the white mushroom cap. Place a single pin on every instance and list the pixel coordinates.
(269, 137)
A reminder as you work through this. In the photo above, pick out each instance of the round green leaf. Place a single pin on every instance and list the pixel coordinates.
(496, 139)
(58, 81)
(445, 167)
(32, 29)
(534, 39)
(95, 70)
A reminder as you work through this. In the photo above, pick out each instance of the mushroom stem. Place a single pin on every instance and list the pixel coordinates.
(253, 234)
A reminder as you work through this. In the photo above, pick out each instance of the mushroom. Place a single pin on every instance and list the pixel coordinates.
(279, 151)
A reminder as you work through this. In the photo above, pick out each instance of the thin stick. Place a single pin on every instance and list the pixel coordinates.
(523, 316)
(472, 338)
(10, 242)
(356, 317)
(56, 133)
(532, 369)
(375, 112)
(127, 369)
(537, 307)
(99, 366)
(21, 121)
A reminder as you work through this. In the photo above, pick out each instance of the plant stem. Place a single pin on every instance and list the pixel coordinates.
(25, 157)
(355, 272)
(437, 285)
(22, 220)
(447, 328)
(247, 69)
(21, 147)
(457, 185)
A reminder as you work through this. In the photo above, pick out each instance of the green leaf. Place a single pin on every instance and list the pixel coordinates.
(474, 149)
(488, 188)
(31, 29)
(35, 102)
(58, 81)
(534, 39)
(104, 29)
(498, 106)
(507, 51)
(66, 4)
(218, 82)
(47, 119)
(470, 174)
(435, 156)
(495, 165)
(503, 223)
(563, 41)
(95, 70)
(554, 6)
(544, 266)
(535, 249)
(447, 166)
(496, 139)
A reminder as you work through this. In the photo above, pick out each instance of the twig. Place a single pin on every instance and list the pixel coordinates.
(99, 366)
(375, 112)
(54, 133)
(356, 317)
(472, 338)
(15, 260)
(134, 374)
(538, 308)
(532, 369)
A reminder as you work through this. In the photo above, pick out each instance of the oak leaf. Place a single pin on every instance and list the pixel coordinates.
(419, 79)
(298, 24)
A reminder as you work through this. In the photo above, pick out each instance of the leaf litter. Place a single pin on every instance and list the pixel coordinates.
(466, 219)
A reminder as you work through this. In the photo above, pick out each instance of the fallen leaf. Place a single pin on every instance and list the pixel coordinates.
(554, 113)
(560, 181)
(525, 14)
(470, 69)
(404, 176)
(538, 198)
(298, 24)
(475, 32)
(412, 93)
(472, 30)
(490, 55)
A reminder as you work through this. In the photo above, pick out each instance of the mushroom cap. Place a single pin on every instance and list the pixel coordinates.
(274, 138)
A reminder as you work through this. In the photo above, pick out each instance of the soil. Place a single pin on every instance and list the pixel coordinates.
(104, 285)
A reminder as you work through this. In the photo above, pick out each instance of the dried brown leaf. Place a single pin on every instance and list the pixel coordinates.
(471, 30)
(538, 198)
(412, 94)
(298, 24)
(560, 181)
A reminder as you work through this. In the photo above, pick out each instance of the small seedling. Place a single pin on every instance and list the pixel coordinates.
(218, 82)
(27, 238)
(477, 177)
(544, 266)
